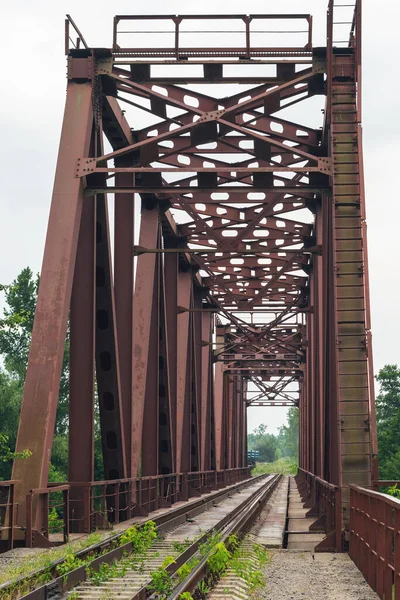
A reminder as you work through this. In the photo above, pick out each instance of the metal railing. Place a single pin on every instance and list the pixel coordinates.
(51, 507)
(234, 35)
(72, 29)
(8, 512)
(385, 483)
(323, 500)
(375, 540)
(53, 513)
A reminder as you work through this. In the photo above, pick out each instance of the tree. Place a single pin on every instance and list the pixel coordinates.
(10, 403)
(388, 422)
(6, 454)
(17, 322)
(16, 332)
(16, 326)
(265, 443)
(288, 438)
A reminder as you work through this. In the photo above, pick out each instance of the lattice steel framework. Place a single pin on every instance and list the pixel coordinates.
(251, 275)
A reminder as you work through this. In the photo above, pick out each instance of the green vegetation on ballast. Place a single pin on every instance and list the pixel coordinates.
(47, 558)
(141, 539)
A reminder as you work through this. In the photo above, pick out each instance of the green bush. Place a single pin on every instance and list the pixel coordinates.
(286, 466)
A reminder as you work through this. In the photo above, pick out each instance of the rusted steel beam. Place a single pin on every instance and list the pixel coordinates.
(170, 273)
(184, 384)
(107, 359)
(42, 381)
(144, 290)
(123, 290)
(206, 387)
(82, 360)
(166, 370)
(150, 446)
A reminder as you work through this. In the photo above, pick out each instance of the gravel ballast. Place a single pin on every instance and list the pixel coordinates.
(294, 575)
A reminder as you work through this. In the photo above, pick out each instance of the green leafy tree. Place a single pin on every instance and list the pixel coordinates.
(16, 327)
(16, 324)
(288, 439)
(5, 452)
(272, 447)
(10, 403)
(388, 422)
(265, 443)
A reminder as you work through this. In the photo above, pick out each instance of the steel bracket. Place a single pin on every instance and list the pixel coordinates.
(104, 66)
(80, 69)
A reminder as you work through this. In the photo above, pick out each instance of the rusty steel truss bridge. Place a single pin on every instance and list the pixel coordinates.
(235, 145)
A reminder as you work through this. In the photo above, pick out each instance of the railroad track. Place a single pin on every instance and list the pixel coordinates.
(161, 567)
(235, 582)
(187, 533)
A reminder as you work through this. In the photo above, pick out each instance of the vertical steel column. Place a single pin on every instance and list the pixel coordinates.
(197, 416)
(239, 423)
(320, 324)
(311, 364)
(244, 419)
(107, 365)
(332, 417)
(166, 440)
(351, 326)
(183, 391)
(371, 373)
(144, 288)
(219, 403)
(218, 416)
(228, 418)
(82, 358)
(123, 290)
(171, 317)
(150, 437)
(42, 381)
(350, 378)
(206, 374)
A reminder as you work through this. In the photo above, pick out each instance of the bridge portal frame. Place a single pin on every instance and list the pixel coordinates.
(171, 352)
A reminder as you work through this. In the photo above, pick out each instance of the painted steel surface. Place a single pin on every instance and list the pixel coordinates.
(249, 282)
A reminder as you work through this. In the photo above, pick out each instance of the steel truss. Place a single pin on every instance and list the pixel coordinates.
(251, 274)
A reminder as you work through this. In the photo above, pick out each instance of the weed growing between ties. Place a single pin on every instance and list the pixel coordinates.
(187, 568)
(181, 546)
(44, 562)
(245, 563)
(141, 539)
(161, 581)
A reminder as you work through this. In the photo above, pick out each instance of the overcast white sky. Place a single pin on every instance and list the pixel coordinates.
(32, 101)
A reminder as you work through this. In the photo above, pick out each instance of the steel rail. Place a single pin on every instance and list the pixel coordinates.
(108, 550)
(239, 524)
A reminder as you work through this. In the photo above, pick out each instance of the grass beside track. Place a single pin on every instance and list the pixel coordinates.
(285, 466)
(48, 557)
